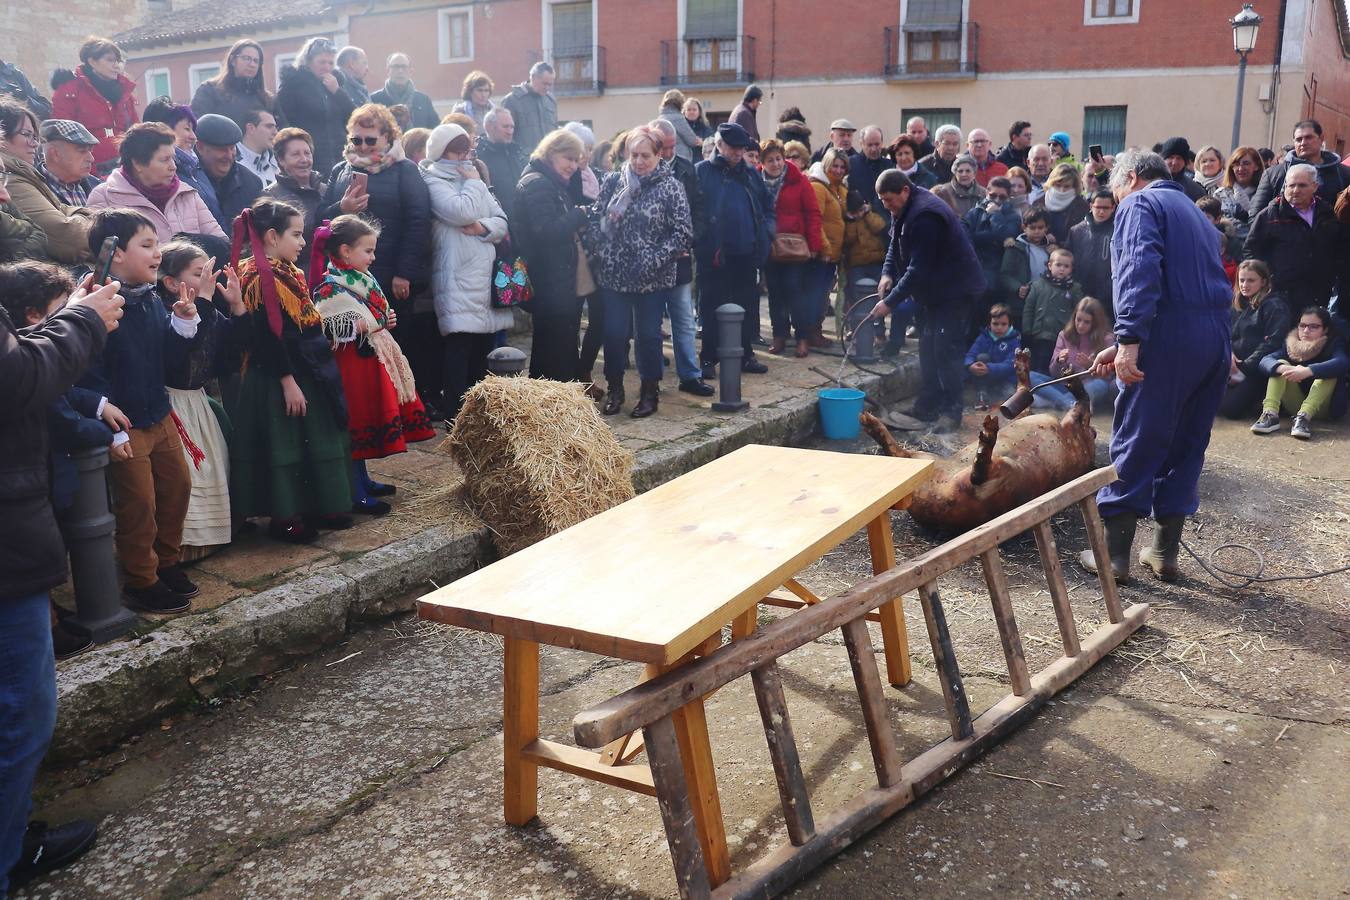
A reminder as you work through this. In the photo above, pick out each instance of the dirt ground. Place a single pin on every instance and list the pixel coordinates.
(1206, 757)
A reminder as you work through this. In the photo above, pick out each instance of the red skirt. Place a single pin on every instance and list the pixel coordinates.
(379, 425)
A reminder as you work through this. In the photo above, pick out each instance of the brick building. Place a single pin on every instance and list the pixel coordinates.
(43, 35)
(1114, 72)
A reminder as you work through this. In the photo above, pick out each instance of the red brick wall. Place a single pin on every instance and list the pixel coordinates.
(1328, 99)
(178, 63)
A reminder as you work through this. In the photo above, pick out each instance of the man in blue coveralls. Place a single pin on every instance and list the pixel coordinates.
(1171, 361)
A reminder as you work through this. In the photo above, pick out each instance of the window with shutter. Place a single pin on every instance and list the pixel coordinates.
(1104, 125)
(572, 39)
(712, 44)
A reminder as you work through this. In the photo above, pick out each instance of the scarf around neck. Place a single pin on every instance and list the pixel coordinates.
(404, 94)
(110, 88)
(630, 190)
(160, 195)
(292, 297)
(965, 193)
(1059, 199)
(775, 185)
(346, 296)
(376, 162)
(1062, 284)
(1303, 352)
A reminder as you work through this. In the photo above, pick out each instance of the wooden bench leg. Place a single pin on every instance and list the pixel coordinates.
(520, 727)
(894, 636)
(674, 795)
(691, 730)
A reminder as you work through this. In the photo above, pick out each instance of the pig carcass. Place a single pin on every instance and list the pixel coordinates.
(1035, 453)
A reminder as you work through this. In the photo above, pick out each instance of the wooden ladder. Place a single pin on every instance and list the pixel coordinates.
(651, 705)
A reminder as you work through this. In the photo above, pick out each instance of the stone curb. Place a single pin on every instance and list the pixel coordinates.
(114, 691)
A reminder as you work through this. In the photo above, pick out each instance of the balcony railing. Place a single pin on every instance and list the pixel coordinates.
(578, 70)
(935, 52)
(717, 60)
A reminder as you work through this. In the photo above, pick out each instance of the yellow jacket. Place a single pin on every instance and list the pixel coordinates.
(830, 198)
(865, 240)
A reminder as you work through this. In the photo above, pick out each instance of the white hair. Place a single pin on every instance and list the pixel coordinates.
(1302, 168)
(587, 136)
(945, 130)
(862, 135)
(1148, 165)
(914, 119)
(492, 115)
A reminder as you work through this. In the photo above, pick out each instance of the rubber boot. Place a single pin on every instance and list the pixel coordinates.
(1162, 556)
(614, 401)
(1119, 537)
(647, 400)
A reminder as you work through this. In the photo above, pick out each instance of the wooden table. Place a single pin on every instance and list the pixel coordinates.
(655, 579)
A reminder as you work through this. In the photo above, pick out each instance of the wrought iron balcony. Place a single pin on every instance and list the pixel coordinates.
(932, 52)
(711, 61)
(579, 71)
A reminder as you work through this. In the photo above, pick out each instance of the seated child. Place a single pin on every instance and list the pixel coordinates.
(1085, 335)
(1050, 304)
(150, 490)
(1303, 375)
(990, 359)
(1024, 260)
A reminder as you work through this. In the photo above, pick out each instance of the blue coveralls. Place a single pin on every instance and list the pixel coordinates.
(1171, 294)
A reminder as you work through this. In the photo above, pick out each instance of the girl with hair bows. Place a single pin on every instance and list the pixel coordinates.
(384, 413)
(290, 457)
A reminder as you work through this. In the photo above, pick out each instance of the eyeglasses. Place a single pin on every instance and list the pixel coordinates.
(248, 59)
(1306, 326)
(368, 141)
(29, 136)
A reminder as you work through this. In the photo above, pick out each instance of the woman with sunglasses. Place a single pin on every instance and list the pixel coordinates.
(312, 98)
(239, 88)
(394, 196)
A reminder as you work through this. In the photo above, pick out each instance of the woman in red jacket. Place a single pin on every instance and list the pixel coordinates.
(798, 213)
(100, 98)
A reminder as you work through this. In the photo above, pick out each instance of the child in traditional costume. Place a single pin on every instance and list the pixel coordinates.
(384, 413)
(289, 457)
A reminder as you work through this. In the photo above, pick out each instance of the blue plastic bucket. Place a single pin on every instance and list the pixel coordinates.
(839, 411)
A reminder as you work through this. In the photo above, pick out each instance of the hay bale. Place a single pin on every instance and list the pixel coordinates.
(537, 458)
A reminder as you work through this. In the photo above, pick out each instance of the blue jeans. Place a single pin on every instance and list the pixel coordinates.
(1057, 396)
(790, 306)
(27, 715)
(680, 308)
(819, 281)
(646, 310)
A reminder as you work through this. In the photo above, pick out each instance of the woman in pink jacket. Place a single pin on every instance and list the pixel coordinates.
(147, 182)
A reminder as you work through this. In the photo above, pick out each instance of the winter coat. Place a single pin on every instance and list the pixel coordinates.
(1049, 308)
(235, 193)
(1060, 221)
(356, 90)
(73, 425)
(20, 239)
(744, 116)
(1236, 204)
(1332, 362)
(939, 168)
(1090, 244)
(638, 254)
(687, 144)
(992, 168)
(1078, 344)
(865, 240)
(190, 170)
(1000, 350)
(505, 162)
(13, 83)
(79, 100)
(930, 257)
(1332, 178)
(960, 199)
(477, 113)
(684, 173)
(212, 98)
(1190, 186)
(798, 211)
(400, 203)
(1017, 269)
(462, 264)
(535, 115)
(1258, 331)
(305, 198)
(544, 224)
(1303, 259)
(989, 232)
(862, 177)
(307, 104)
(185, 213)
(830, 198)
(924, 178)
(66, 227)
(36, 368)
(794, 130)
(420, 107)
(1010, 156)
(741, 220)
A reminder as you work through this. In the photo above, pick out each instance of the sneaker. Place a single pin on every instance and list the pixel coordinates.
(1269, 423)
(697, 386)
(48, 849)
(1300, 429)
(157, 598)
(180, 584)
(68, 643)
(753, 366)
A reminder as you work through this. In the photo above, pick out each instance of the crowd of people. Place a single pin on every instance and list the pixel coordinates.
(302, 281)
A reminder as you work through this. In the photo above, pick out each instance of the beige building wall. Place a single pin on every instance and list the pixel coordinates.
(1197, 103)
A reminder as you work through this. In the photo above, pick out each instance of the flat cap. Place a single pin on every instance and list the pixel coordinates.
(842, 125)
(734, 135)
(218, 131)
(67, 130)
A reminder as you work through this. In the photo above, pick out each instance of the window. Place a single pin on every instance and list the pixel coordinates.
(157, 84)
(1104, 125)
(932, 35)
(712, 46)
(456, 28)
(572, 43)
(1110, 12)
(710, 18)
(199, 72)
(282, 62)
(933, 118)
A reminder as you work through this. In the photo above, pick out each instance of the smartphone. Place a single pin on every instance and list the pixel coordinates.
(103, 264)
(1095, 151)
(360, 179)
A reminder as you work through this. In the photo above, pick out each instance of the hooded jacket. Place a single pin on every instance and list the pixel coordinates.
(185, 213)
(639, 253)
(535, 115)
(1000, 350)
(830, 197)
(19, 238)
(865, 240)
(79, 100)
(462, 264)
(307, 104)
(1332, 178)
(989, 232)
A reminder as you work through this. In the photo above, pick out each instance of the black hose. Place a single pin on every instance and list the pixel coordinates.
(1249, 578)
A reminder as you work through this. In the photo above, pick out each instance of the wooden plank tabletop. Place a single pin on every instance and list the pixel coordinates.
(649, 579)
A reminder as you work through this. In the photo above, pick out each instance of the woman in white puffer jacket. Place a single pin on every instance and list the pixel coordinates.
(467, 221)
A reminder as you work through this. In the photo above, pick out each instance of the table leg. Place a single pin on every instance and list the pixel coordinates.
(520, 727)
(744, 625)
(691, 730)
(894, 637)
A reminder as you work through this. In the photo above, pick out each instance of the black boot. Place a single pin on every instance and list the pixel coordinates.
(614, 401)
(647, 400)
(48, 849)
(1162, 556)
(1119, 536)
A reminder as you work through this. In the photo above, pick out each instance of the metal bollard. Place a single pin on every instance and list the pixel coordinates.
(88, 530)
(506, 361)
(729, 353)
(864, 344)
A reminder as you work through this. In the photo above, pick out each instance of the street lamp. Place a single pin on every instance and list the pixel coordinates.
(1245, 24)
